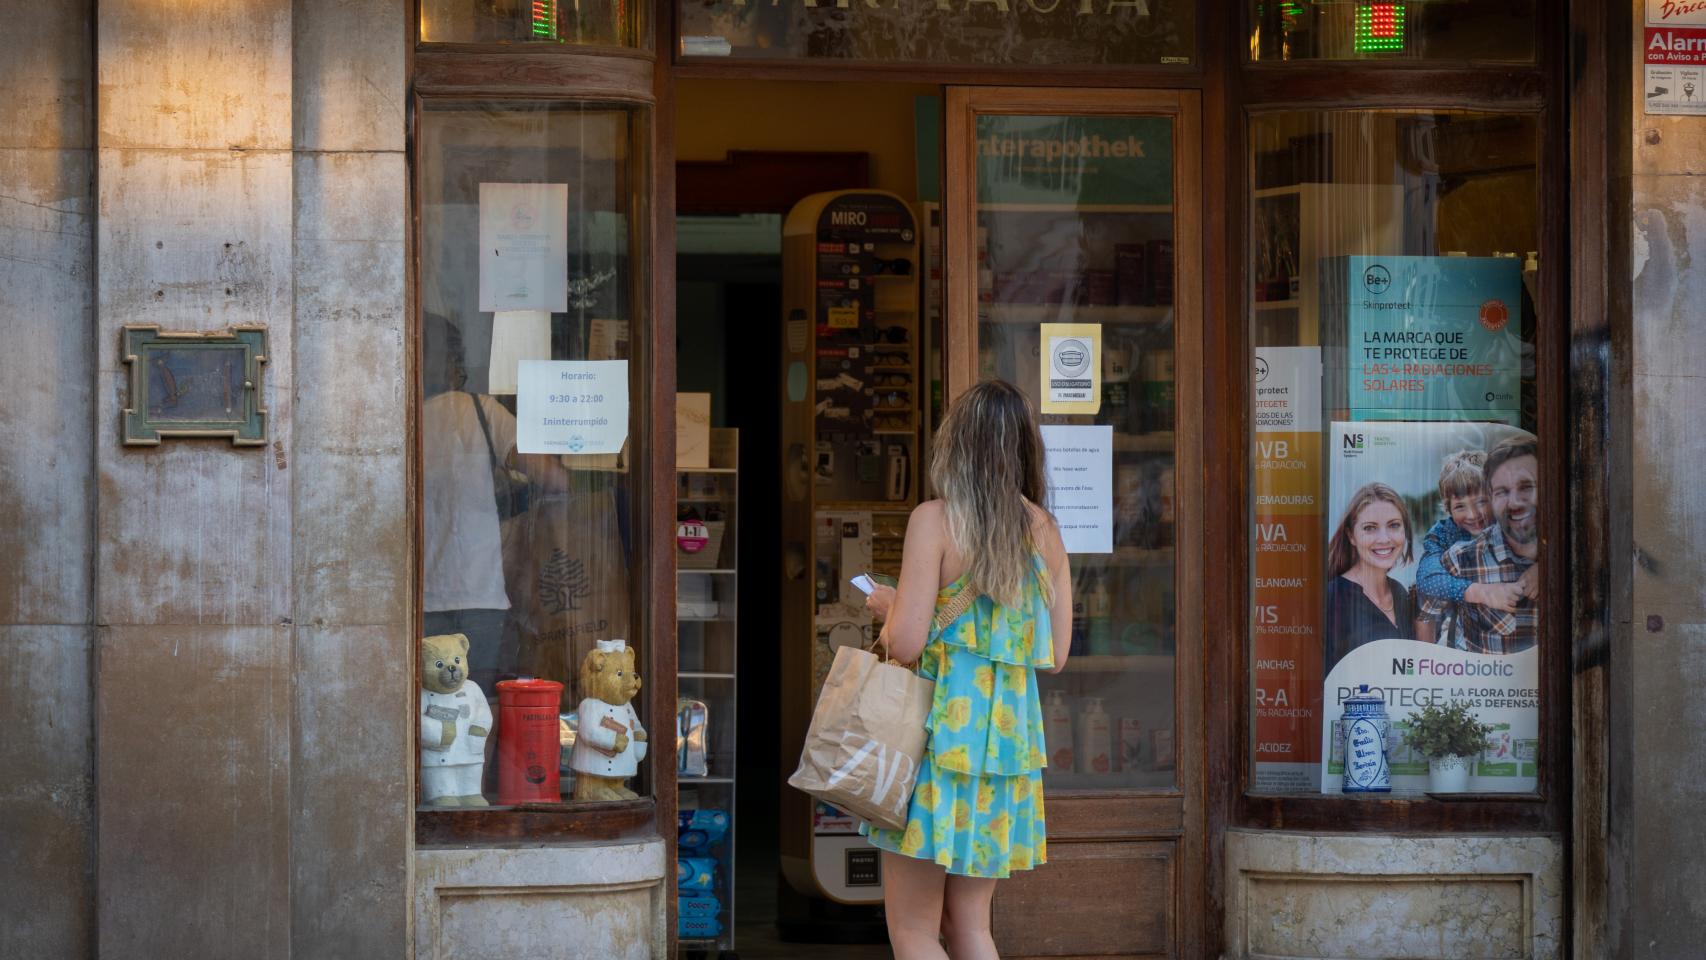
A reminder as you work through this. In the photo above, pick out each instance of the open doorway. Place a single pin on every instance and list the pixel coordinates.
(748, 153)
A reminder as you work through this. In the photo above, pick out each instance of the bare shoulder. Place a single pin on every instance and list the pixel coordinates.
(929, 519)
(1045, 533)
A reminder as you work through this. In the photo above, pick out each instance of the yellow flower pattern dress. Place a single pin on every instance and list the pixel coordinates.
(978, 806)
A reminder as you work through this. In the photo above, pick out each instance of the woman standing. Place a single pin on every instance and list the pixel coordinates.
(1364, 603)
(984, 600)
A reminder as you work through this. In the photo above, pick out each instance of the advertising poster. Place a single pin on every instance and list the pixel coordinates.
(1502, 691)
(1071, 360)
(524, 246)
(1674, 57)
(1080, 468)
(572, 406)
(1432, 338)
(1387, 654)
(1287, 596)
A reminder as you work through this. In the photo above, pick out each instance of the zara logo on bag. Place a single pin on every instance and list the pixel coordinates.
(895, 770)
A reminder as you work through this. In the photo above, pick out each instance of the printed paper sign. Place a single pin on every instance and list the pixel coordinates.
(1675, 71)
(524, 246)
(1080, 467)
(1434, 338)
(1502, 691)
(572, 406)
(1071, 361)
(1286, 636)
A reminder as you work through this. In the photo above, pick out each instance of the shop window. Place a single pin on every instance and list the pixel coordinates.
(610, 23)
(531, 291)
(1396, 518)
(1004, 32)
(1460, 30)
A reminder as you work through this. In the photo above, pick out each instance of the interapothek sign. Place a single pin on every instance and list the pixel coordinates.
(1075, 161)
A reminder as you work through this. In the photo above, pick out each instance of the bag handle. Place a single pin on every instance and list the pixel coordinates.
(491, 450)
(946, 614)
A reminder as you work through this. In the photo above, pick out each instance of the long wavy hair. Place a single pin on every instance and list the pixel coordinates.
(987, 463)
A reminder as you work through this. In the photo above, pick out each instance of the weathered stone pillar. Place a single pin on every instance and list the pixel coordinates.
(46, 464)
(251, 699)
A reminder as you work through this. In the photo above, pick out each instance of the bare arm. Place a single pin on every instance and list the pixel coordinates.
(1047, 538)
(908, 624)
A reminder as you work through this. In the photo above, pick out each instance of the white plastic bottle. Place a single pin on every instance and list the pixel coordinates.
(1057, 732)
(1095, 739)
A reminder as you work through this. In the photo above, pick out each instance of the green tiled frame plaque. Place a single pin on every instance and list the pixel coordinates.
(195, 384)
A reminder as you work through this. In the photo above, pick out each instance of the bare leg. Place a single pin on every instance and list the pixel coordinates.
(912, 899)
(968, 900)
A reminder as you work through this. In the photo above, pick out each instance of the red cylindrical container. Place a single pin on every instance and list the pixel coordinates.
(528, 745)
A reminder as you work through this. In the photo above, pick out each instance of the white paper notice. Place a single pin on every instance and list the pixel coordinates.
(572, 406)
(517, 336)
(524, 246)
(1080, 463)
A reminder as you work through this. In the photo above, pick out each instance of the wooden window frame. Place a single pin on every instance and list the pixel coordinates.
(1536, 89)
(620, 77)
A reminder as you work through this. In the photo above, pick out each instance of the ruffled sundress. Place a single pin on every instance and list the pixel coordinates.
(977, 808)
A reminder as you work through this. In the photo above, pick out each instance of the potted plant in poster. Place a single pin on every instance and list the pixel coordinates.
(1451, 737)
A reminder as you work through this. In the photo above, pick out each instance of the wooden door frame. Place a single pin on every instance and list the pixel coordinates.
(1119, 815)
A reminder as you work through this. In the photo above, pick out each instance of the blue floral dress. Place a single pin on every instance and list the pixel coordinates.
(978, 806)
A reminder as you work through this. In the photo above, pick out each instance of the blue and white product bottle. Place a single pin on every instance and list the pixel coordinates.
(1365, 725)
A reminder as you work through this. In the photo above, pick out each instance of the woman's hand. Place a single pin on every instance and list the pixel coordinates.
(880, 601)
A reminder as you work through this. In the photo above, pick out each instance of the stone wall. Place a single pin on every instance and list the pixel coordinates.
(211, 646)
(1372, 896)
(1663, 859)
(46, 462)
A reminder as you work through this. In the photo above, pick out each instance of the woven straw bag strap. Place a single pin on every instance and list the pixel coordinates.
(954, 609)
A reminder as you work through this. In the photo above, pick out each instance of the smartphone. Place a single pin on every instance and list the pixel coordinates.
(868, 582)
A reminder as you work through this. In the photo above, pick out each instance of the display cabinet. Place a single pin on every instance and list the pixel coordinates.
(1293, 232)
(851, 450)
(707, 554)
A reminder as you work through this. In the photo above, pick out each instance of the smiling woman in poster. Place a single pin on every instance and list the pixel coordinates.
(1364, 603)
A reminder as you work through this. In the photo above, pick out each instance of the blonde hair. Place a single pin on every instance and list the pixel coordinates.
(1460, 475)
(987, 465)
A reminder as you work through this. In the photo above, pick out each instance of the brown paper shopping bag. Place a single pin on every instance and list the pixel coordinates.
(867, 738)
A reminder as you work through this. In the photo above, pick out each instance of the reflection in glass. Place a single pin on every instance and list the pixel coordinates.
(612, 23)
(1392, 30)
(1393, 269)
(528, 555)
(1019, 32)
(1075, 226)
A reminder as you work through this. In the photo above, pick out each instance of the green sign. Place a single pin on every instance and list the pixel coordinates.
(1075, 161)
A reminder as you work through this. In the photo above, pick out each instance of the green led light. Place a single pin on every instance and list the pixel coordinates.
(545, 19)
(1379, 27)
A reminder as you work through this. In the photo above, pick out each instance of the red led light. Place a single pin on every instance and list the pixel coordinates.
(1383, 20)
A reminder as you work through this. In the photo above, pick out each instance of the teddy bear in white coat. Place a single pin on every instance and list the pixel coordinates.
(455, 721)
(611, 741)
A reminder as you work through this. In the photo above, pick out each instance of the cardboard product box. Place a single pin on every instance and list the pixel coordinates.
(692, 431)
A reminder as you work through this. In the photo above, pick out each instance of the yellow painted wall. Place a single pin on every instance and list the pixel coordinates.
(716, 116)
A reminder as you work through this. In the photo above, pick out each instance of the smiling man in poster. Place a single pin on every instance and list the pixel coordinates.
(1504, 552)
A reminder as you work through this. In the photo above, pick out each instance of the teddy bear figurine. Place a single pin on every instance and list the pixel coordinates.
(611, 742)
(455, 721)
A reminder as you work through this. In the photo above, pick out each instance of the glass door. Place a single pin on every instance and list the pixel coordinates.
(1073, 272)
